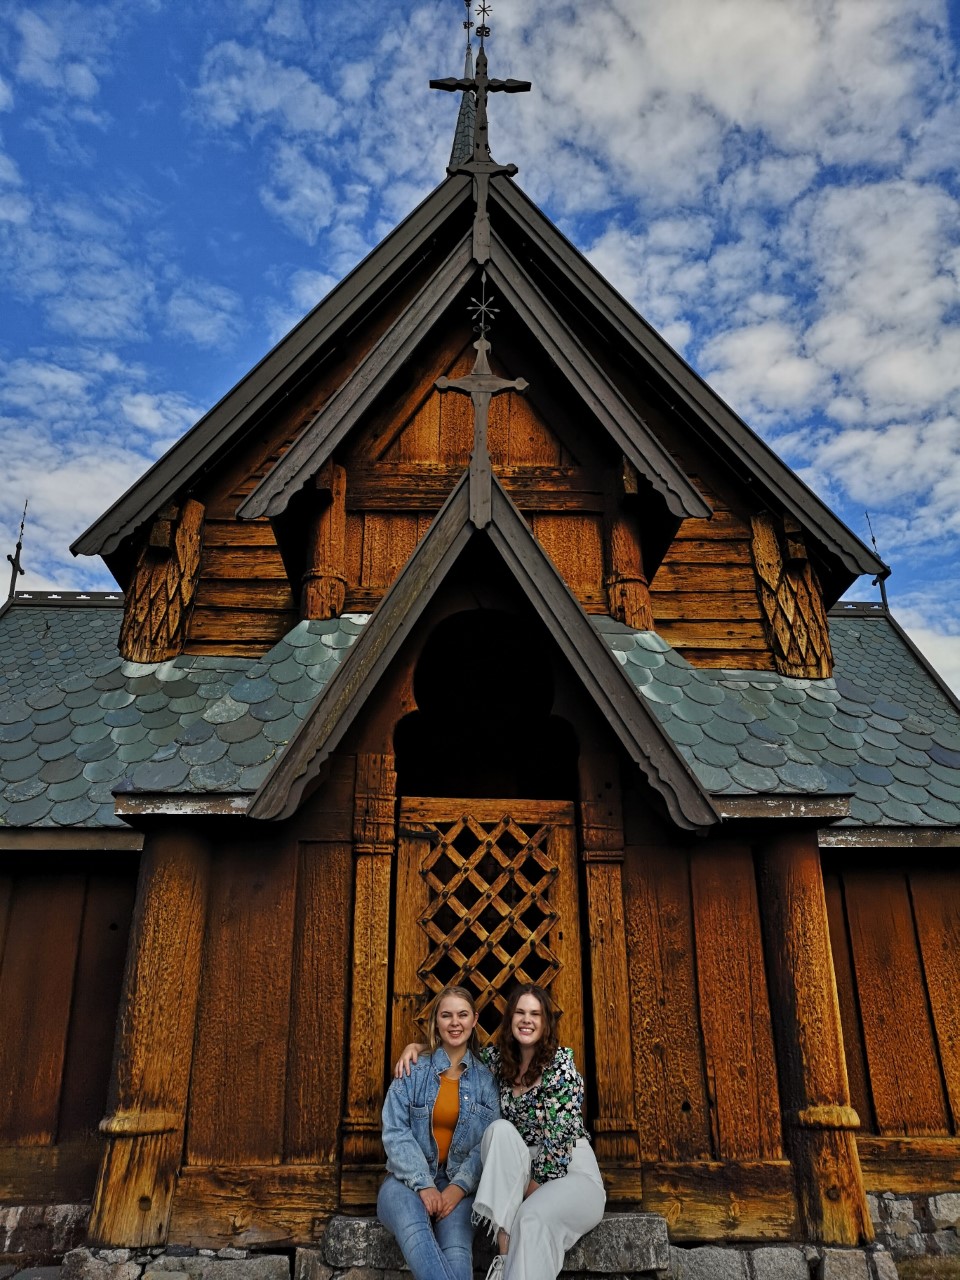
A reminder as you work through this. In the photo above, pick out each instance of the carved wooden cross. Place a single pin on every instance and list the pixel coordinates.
(483, 164)
(481, 385)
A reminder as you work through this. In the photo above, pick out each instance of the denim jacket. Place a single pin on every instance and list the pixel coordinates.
(408, 1122)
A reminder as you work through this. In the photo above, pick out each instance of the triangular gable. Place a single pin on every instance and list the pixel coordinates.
(241, 407)
(600, 397)
(634, 724)
(582, 279)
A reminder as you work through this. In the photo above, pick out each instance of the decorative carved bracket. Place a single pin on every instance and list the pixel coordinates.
(791, 598)
(160, 599)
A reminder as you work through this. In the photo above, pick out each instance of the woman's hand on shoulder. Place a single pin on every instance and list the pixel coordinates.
(433, 1201)
(451, 1195)
(409, 1056)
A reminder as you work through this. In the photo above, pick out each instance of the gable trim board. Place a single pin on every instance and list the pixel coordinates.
(634, 724)
(238, 410)
(601, 398)
(328, 428)
(733, 433)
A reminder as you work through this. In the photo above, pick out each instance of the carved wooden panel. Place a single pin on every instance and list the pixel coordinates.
(791, 598)
(161, 595)
(487, 897)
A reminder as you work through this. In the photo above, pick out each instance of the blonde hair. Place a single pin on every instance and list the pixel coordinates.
(428, 1018)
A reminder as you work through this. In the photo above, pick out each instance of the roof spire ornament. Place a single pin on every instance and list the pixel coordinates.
(481, 163)
(14, 559)
(481, 384)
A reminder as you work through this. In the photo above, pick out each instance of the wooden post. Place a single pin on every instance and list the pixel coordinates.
(324, 581)
(818, 1118)
(602, 841)
(374, 846)
(628, 591)
(148, 1094)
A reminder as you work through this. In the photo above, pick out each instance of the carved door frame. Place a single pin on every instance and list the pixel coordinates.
(491, 883)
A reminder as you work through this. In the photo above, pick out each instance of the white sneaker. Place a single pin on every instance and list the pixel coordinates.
(495, 1270)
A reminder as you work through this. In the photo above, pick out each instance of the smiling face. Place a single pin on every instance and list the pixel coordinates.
(527, 1023)
(455, 1022)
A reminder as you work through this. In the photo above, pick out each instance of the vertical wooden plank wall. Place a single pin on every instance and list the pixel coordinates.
(63, 938)
(267, 1089)
(707, 1097)
(895, 932)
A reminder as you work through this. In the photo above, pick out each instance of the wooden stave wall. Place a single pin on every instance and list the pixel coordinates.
(59, 993)
(707, 1095)
(895, 934)
(261, 1158)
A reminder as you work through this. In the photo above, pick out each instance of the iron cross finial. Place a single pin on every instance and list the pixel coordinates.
(481, 384)
(481, 164)
(17, 571)
(481, 86)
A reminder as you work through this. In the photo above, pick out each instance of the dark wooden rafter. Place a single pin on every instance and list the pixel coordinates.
(589, 382)
(241, 408)
(344, 410)
(634, 724)
(731, 434)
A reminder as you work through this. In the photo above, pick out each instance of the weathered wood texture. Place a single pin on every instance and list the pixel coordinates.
(148, 1094)
(374, 846)
(791, 598)
(813, 1075)
(160, 599)
(723, 1200)
(253, 1206)
(706, 1080)
(324, 582)
(910, 1165)
(63, 935)
(602, 843)
(704, 594)
(895, 931)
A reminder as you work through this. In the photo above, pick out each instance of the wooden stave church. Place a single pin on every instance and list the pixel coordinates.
(367, 670)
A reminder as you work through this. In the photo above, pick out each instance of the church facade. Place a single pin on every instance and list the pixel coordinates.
(451, 650)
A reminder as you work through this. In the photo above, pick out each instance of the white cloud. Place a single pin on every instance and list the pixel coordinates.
(241, 85)
(206, 313)
(300, 193)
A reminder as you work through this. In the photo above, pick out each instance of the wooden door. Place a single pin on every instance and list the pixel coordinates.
(486, 896)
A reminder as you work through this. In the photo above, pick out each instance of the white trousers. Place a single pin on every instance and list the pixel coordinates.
(545, 1225)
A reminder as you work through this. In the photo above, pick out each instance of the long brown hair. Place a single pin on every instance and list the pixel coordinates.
(543, 1050)
(428, 1018)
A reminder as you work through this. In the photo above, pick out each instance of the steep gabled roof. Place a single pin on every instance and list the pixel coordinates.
(588, 381)
(631, 720)
(576, 276)
(240, 409)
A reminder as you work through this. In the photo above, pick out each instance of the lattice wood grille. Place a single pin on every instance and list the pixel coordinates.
(490, 901)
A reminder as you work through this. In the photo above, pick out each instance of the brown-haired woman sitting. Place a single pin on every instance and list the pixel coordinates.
(541, 1189)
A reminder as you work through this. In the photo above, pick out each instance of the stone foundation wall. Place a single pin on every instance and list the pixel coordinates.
(912, 1226)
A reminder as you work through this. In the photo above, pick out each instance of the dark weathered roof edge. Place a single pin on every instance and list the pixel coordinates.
(326, 429)
(217, 428)
(634, 723)
(598, 393)
(796, 496)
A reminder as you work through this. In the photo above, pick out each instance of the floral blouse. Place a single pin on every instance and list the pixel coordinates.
(548, 1116)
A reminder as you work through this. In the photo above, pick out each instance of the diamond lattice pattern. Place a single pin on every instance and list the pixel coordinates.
(490, 911)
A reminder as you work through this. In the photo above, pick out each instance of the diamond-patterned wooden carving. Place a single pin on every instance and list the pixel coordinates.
(791, 599)
(487, 898)
(160, 598)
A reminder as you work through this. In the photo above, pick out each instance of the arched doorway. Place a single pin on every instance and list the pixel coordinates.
(486, 889)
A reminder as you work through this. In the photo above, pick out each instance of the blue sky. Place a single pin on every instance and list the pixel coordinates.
(773, 183)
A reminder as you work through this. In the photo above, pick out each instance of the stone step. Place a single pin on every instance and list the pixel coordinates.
(622, 1244)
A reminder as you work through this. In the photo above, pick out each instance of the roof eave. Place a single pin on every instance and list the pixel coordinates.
(740, 439)
(233, 414)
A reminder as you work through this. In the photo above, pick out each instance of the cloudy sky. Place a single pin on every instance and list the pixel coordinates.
(773, 183)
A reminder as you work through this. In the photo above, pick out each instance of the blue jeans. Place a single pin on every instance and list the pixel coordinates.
(432, 1250)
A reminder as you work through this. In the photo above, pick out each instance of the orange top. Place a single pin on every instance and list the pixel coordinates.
(446, 1113)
